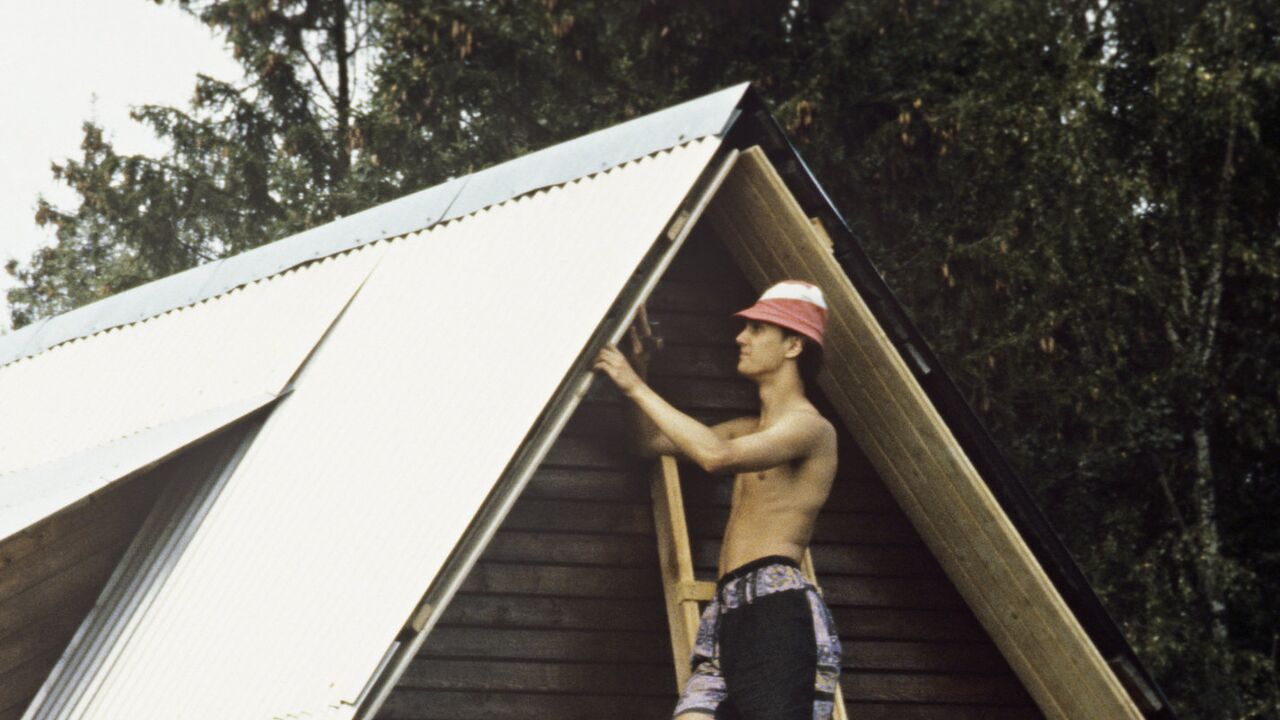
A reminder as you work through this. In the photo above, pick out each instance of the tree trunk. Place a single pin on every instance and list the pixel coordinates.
(342, 56)
(1211, 563)
(1208, 538)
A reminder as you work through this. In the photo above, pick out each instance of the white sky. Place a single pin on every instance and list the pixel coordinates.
(56, 57)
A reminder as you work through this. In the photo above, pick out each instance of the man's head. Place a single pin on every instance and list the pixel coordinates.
(786, 324)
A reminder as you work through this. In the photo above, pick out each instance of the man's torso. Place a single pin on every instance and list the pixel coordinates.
(772, 512)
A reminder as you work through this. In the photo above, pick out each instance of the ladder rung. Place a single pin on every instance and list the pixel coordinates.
(698, 590)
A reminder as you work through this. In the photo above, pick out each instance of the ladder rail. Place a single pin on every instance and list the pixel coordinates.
(676, 561)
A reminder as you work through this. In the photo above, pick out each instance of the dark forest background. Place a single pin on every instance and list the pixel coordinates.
(1077, 201)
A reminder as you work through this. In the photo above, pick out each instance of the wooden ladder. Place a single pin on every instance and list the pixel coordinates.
(683, 592)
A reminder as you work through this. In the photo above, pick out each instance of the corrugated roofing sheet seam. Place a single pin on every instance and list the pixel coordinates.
(556, 165)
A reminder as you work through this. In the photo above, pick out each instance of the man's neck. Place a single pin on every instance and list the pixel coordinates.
(779, 391)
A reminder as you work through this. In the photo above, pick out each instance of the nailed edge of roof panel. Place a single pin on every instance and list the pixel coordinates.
(555, 165)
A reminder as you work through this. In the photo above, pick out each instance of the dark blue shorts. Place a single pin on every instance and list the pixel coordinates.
(767, 648)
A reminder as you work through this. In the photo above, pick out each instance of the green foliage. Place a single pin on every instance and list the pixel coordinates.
(1075, 200)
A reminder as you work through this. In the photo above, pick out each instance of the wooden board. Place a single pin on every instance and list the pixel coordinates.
(615, 647)
(77, 583)
(409, 704)
(18, 687)
(907, 624)
(547, 677)
(902, 711)
(580, 516)
(45, 634)
(922, 688)
(919, 460)
(123, 503)
(560, 580)
(556, 613)
(923, 657)
(570, 548)
(598, 485)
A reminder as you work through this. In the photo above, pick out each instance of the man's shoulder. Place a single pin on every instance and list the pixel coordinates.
(822, 445)
(809, 417)
(810, 424)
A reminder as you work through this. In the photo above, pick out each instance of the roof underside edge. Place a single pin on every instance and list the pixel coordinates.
(457, 197)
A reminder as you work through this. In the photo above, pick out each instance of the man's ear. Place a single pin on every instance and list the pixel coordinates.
(794, 346)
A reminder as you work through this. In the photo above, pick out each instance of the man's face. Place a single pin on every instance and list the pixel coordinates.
(763, 348)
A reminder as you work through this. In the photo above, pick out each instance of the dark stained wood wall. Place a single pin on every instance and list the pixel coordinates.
(563, 616)
(50, 576)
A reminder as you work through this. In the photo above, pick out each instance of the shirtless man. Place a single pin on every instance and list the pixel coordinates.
(766, 647)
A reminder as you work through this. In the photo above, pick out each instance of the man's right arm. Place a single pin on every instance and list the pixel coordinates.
(648, 438)
(651, 442)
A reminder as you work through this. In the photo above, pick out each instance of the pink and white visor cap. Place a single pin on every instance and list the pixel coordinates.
(794, 305)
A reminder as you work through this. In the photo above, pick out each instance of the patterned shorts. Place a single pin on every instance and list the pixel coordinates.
(766, 648)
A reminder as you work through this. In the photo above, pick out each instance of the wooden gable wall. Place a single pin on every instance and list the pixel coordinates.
(50, 575)
(563, 616)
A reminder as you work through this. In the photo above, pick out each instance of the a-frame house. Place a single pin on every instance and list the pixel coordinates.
(365, 472)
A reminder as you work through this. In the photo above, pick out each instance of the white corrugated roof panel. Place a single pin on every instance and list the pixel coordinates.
(242, 344)
(362, 480)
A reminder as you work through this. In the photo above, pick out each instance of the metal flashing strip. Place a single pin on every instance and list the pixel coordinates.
(544, 432)
(556, 165)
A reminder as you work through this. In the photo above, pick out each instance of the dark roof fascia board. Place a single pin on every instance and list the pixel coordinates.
(458, 197)
(759, 127)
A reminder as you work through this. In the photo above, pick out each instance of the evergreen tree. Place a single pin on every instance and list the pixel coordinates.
(1075, 199)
